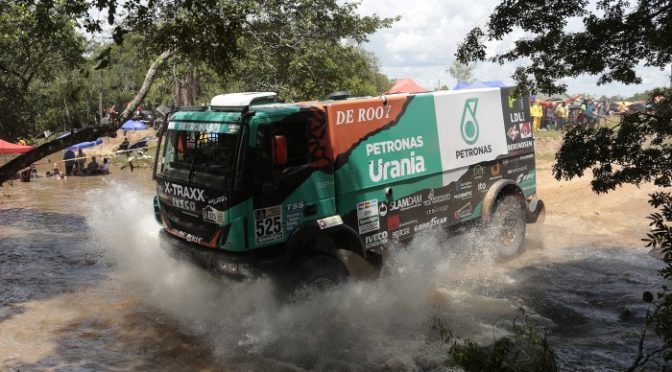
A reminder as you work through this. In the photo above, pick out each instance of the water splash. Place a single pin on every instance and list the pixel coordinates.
(364, 323)
(384, 323)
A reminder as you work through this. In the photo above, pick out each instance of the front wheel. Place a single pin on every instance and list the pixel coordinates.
(316, 274)
(322, 272)
(507, 226)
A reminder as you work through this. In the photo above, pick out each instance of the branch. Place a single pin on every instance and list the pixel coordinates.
(9, 170)
(149, 79)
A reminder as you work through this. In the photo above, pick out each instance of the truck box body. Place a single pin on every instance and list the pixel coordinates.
(437, 153)
(382, 168)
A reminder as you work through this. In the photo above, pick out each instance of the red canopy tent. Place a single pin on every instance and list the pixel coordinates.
(10, 148)
(406, 86)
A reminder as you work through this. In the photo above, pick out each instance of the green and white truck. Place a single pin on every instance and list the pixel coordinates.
(314, 192)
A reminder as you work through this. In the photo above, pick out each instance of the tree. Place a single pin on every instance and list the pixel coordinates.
(34, 51)
(215, 32)
(462, 72)
(617, 38)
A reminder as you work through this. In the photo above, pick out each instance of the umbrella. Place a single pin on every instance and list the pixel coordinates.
(134, 125)
(10, 148)
(84, 145)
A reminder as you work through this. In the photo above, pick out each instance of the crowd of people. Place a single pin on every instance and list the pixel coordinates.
(75, 164)
(561, 115)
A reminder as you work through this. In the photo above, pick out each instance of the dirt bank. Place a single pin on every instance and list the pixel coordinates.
(616, 218)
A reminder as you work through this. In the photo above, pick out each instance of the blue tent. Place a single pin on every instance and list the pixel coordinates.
(134, 125)
(480, 84)
(84, 145)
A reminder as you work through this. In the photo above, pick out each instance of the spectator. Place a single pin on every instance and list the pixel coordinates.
(92, 168)
(81, 161)
(561, 115)
(536, 112)
(549, 113)
(69, 163)
(590, 114)
(124, 144)
(105, 168)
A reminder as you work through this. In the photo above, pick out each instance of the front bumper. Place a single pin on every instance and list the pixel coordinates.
(238, 266)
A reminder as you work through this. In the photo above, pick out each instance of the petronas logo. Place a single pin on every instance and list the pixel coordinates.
(469, 124)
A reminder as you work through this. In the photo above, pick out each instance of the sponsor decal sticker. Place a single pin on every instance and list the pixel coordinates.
(405, 165)
(406, 203)
(189, 237)
(185, 192)
(393, 222)
(477, 171)
(464, 212)
(525, 130)
(526, 179)
(327, 222)
(517, 170)
(463, 195)
(437, 209)
(434, 222)
(460, 185)
(218, 200)
(382, 209)
(367, 216)
(293, 215)
(187, 205)
(268, 224)
(520, 145)
(401, 233)
(495, 169)
(210, 214)
(432, 198)
(375, 240)
(469, 124)
(513, 133)
(363, 114)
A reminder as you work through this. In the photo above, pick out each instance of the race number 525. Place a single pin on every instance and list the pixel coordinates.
(268, 224)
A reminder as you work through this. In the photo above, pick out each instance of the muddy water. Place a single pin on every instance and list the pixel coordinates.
(84, 286)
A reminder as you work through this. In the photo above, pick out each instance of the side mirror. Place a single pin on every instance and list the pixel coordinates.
(279, 149)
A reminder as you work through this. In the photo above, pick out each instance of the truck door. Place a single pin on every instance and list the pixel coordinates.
(293, 184)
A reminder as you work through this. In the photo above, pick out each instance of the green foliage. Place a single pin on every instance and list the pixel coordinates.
(525, 350)
(618, 36)
(463, 73)
(52, 80)
(37, 45)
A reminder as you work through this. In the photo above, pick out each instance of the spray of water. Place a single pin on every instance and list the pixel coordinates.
(357, 326)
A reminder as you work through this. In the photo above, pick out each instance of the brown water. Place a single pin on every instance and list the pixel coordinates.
(84, 286)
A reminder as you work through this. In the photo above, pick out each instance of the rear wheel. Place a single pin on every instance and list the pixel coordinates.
(507, 226)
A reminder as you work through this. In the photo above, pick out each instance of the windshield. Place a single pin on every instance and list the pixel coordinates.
(199, 157)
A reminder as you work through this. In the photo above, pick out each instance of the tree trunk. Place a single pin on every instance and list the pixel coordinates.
(186, 89)
(9, 170)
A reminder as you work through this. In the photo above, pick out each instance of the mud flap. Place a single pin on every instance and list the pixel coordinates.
(358, 267)
(536, 212)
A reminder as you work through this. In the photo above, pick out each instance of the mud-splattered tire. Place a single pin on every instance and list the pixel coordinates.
(507, 227)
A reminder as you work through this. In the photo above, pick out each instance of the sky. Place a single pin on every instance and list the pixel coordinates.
(422, 46)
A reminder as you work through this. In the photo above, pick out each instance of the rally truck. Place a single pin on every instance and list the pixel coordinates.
(315, 192)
